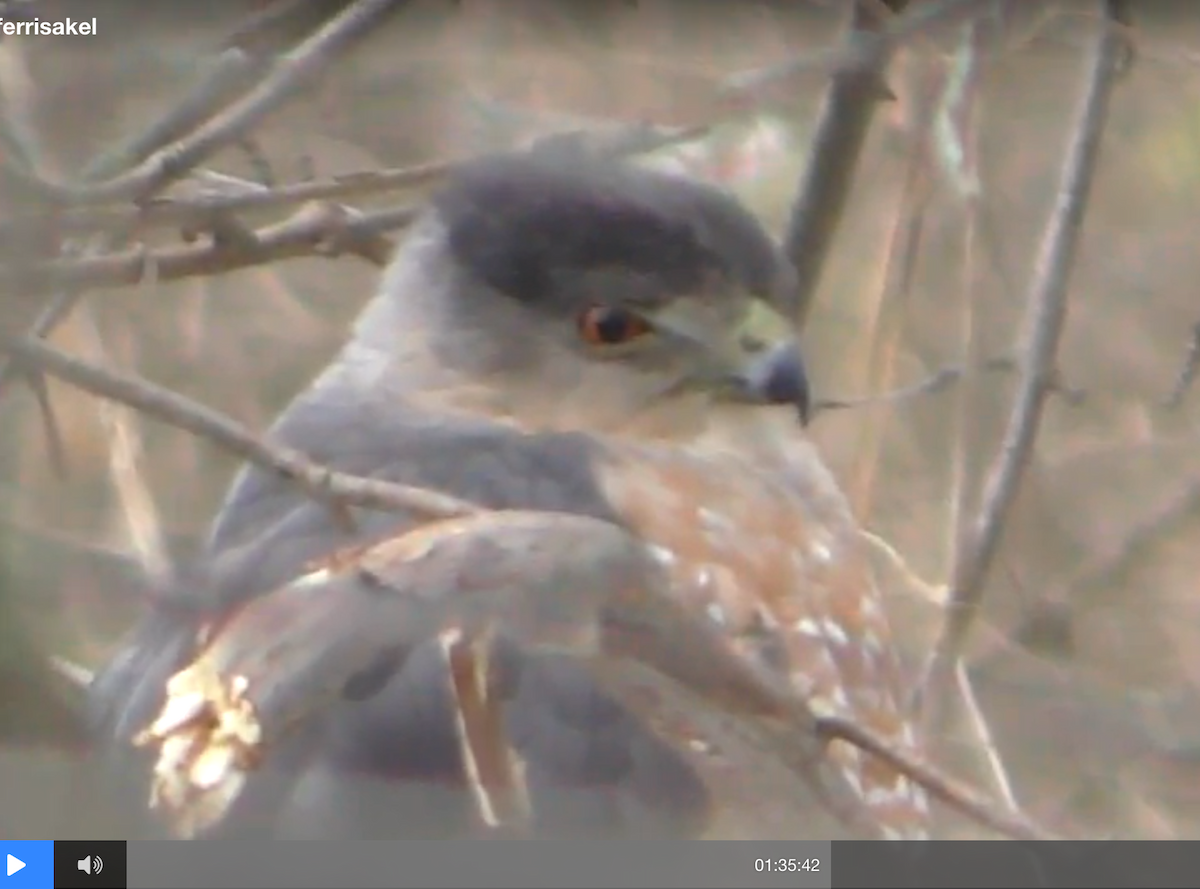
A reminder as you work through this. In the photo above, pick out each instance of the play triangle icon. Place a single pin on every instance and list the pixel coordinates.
(14, 865)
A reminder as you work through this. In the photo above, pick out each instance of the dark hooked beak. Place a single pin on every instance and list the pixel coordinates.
(757, 361)
(778, 376)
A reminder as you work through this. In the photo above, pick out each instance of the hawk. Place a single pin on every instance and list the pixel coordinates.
(654, 580)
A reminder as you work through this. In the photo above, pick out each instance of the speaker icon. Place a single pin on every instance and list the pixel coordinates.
(91, 864)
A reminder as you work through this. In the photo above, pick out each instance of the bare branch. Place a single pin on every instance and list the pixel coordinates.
(294, 71)
(991, 761)
(958, 128)
(50, 424)
(864, 49)
(941, 380)
(231, 74)
(198, 211)
(213, 212)
(1046, 314)
(1189, 368)
(61, 305)
(126, 470)
(334, 488)
(220, 195)
(315, 230)
(76, 674)
(934, 594)
(245, 56)
(841, 133)
(845, 118)
(96, 552)
(954, 793)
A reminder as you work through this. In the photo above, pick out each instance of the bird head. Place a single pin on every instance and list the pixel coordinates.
(599, 284)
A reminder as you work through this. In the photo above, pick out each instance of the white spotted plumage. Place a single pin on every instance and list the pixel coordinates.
(798, 557)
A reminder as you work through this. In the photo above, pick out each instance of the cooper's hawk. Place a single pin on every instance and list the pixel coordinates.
(558, 337)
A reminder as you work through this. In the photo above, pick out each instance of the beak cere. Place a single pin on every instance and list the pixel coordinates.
(778, 376)
(759, 362)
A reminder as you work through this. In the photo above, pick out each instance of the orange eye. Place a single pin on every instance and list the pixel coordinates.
(607, 326)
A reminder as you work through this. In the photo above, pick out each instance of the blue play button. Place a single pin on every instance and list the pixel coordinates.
(28, 864)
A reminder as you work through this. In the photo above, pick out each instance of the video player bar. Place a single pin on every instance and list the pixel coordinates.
(566, 864)
(417, 863)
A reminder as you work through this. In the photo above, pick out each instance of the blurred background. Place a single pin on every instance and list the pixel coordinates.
(1086, 663)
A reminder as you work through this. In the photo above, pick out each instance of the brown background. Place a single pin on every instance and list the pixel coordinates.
(1090, 687)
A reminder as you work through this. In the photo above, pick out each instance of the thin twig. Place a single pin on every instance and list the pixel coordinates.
(143, 523)
(231, 73)
(954, 793)
(20, 99)
(60, 305)
(1189, 368)
(337, 489)
(244, 58)
(293, 71)
(941, 380)
(985, 742)
(220, 195)
(934, 594)
(230, 196)
(886, 313)
(1046, 314)
(958, 128)
(863, 51)
(74, 673)
(213, 211)
(270, 30)
(96, 552)
(350, 230)
(50, 426)
(958, 125)
(316, 230)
